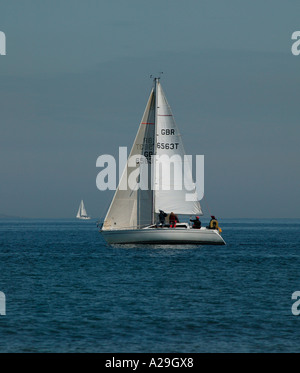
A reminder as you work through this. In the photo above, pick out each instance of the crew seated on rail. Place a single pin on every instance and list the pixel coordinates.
(213, 224)
(197, 223)
(173, 220)
(162, 218)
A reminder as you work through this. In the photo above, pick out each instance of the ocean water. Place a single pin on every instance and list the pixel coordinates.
(68, 291)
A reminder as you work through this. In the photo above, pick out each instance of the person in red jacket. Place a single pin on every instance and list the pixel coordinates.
(173, 219)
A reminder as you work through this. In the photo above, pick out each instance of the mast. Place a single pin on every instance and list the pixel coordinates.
(156, 82)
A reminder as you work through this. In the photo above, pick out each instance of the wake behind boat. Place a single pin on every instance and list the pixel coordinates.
(145, 188)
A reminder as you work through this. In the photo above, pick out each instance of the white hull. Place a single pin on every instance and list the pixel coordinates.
(201, 236)
(83, 217)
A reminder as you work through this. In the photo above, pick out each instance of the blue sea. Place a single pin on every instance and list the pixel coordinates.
(68, 291)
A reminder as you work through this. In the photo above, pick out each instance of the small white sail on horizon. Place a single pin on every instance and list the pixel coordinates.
(82, 214)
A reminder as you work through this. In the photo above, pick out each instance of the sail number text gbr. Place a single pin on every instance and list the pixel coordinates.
(148, 144)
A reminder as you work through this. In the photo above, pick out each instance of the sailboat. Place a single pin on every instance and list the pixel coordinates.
(81, 214)
(132, 217)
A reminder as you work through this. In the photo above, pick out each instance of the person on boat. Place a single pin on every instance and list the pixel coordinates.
(197, 223)
(173, 220)
(162, 217)
(213, 224)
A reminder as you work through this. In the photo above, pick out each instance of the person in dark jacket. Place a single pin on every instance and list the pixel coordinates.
(173, 219)
(197, 223)
(162, 217)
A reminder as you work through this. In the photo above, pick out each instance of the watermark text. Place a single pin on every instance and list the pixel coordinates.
(296, 44)
(152, 172)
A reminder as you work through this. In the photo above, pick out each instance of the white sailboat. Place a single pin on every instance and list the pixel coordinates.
(133, 213)
(81, 214)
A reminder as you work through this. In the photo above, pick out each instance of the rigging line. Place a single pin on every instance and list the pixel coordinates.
(204, 199)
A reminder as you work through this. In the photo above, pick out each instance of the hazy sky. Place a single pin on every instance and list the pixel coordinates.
(75, 82)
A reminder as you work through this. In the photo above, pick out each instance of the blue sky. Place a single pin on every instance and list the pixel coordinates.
(75, 81)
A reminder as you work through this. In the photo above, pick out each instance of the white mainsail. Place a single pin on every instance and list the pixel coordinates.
(79, 211)
(135, 208)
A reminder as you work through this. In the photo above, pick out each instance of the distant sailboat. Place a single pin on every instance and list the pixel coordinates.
(133, 214)
(81, 214)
